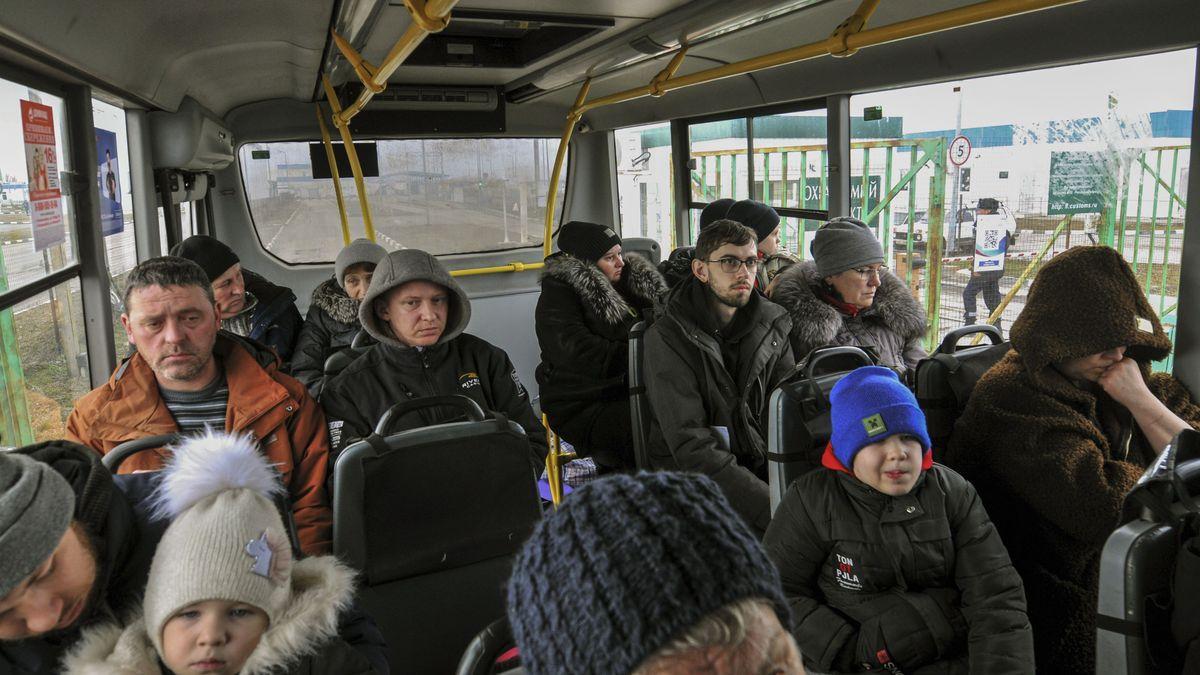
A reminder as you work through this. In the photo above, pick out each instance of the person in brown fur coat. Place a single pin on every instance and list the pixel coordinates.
(1056, 434)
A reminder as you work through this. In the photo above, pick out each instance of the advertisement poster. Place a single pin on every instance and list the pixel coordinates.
(991, 242)
(41, 161)
(108, 176)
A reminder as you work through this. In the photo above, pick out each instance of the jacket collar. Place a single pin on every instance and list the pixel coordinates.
(816, 322)
(331, 298)
(135, 407)
(322, 588)
(639, 283)
(870, 496)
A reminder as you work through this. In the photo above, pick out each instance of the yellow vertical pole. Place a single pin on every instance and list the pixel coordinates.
(337, 180)
(559, 157)
(355, 167)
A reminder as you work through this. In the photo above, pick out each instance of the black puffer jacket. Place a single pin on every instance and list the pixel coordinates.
(583, 323)
(273, 318)
(894, 325)
(923, 576)
(707, 419)
(391, 372)
(677, 266)
(330, 327)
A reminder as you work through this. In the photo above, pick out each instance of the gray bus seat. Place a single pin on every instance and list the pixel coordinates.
(639, 404)
(140, 485)
(432, 517)
(1137, 565)
(338, 361)
(798, 416)
(113, 458)
(943, 381)
(646, 247)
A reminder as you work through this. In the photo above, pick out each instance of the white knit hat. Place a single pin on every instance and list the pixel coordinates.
(226, 540)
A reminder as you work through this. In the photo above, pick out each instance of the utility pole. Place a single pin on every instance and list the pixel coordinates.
(954, 201)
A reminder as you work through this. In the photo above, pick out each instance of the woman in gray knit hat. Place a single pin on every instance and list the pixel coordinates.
(846, 296)
(332, 320)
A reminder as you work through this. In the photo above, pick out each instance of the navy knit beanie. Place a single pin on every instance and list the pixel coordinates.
(587, 241)
(867, 406)
(627, 564)
(714, 211)
(755, 215)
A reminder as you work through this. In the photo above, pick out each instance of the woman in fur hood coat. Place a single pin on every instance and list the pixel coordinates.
(845, 297)
(215, 603)
(591, 296)
(1056, 434)
(332, 320)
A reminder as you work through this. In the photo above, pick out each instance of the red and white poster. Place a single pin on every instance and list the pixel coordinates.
(41, 161)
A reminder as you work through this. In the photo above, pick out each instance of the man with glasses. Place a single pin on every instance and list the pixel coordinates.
(713, 357)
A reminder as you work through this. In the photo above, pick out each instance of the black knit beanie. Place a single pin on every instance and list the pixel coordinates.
(625, 565)
(587, 241)
(210, 254)
(754, 215)
(714, 211)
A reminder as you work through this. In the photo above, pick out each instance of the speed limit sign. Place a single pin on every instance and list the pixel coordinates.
(960, 150)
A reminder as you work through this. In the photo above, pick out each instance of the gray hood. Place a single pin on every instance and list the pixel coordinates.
(399, 268)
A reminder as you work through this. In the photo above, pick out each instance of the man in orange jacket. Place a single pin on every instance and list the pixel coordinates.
(187, 375)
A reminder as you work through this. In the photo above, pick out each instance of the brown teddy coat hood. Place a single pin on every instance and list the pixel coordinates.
(1053, 461)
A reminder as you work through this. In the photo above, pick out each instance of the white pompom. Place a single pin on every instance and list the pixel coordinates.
(202, 466)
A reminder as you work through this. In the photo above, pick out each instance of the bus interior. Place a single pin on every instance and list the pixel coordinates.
(231, 119)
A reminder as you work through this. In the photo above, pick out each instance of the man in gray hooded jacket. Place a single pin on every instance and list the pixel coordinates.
(417, 313)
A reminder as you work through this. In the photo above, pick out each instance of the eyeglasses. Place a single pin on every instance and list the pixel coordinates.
(730, 264)
(866, 273)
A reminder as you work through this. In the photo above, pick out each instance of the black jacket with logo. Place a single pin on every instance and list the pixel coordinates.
(386, 375)
(921, 580)
(706, 418)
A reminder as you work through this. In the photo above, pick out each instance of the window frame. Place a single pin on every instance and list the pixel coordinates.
(565, 181)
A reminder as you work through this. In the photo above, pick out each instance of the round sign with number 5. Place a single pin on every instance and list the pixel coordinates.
(960, 150)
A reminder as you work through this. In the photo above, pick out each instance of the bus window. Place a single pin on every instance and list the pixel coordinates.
(645, 183)
(790, 161)
(1095, 153)
(444, 196)
(719, 151)
(42, 341)
(116, 206)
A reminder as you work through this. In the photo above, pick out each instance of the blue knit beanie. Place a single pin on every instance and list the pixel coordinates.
(624, 566)
(867, 406)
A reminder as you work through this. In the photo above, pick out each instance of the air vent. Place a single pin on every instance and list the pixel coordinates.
(430, 98)
(503, 39)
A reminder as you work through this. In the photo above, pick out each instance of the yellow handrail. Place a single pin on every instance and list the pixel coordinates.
(428, 16)
(333, 171)
(510, 267)
(559, 157)
(838, 43)
(352, 155)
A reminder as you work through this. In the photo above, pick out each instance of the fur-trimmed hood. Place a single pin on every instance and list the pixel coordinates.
(640, 281)
(332, 299)
(816, 323)
(321, 588)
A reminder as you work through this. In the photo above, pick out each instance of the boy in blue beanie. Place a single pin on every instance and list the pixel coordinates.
(889, 561)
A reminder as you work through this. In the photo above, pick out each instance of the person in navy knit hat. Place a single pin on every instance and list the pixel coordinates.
(648, 574)
(889, 561)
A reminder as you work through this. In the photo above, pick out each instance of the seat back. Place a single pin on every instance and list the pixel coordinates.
(639, 404)
(944, 380)
(492, 643)
(113, 458)
(646, 247)
(432, 518)
(1137, 566)
(338, 361)
(798, 427)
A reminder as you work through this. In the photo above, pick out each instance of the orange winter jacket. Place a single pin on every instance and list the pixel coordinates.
(273, 408)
